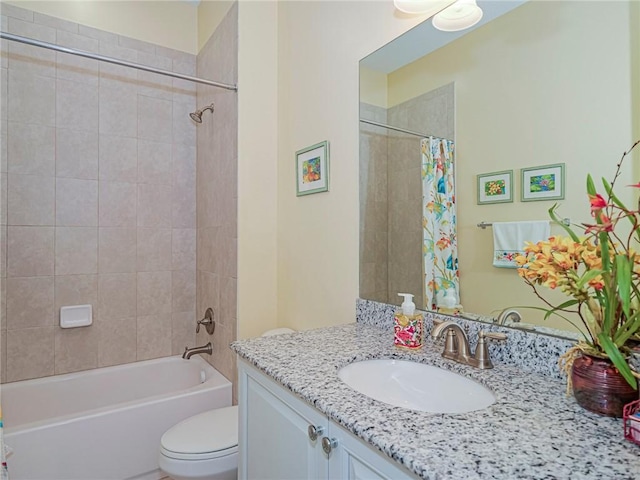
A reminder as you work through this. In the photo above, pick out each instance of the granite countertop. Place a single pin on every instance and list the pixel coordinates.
(533, 431)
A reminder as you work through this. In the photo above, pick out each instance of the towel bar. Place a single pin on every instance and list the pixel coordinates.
(483, 225)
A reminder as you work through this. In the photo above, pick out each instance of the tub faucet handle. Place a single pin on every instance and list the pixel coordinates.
(207, 321)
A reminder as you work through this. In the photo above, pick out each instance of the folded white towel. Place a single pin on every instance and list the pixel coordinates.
(509, 238)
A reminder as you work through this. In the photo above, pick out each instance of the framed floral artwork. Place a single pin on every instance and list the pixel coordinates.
(496, 187)
(312, 169)
(543, 183)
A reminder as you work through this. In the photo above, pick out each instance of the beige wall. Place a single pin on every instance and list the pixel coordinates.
(210, 14)
(373, 87)
(258, 66)
(320, 44)
(525, 99)
(174, 25)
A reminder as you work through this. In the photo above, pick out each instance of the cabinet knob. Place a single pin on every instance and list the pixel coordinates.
(314, 431)
(329, 444)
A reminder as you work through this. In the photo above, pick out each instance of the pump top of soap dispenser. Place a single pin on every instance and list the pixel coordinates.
(408, 307)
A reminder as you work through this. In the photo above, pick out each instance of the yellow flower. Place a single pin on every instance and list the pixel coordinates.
(599, 271)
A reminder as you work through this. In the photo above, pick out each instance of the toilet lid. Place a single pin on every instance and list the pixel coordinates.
(209, 434)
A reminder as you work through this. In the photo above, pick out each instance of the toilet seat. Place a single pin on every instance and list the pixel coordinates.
(209, 435)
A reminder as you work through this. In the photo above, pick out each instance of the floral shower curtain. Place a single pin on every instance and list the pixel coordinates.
(439, 237)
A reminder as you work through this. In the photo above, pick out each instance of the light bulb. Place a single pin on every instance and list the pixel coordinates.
(462, 14)
(419, 7)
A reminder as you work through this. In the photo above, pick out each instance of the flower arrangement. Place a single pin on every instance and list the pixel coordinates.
(599, 271)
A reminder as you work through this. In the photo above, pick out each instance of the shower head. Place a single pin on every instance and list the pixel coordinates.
(197, 115)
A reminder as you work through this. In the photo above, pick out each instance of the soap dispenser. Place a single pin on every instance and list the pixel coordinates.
(408, 327)
(449, 303)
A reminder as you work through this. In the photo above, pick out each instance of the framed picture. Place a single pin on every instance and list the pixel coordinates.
(496, 187)
(312, 169)
(543, 183)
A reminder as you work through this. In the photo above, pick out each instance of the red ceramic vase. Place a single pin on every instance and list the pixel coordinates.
(599, 387)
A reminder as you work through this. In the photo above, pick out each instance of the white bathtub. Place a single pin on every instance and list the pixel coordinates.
(106, 423)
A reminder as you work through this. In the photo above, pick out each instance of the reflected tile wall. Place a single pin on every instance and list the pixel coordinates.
(433, 114)
(390, 183)
(216, 189)
(373, 200)
(97, 200)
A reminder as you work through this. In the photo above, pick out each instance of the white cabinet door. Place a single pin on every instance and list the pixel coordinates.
(274, 438)
(353, 459)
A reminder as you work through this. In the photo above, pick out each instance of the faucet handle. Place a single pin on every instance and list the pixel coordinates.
(481, 356)
(493, 335)
(207, 321)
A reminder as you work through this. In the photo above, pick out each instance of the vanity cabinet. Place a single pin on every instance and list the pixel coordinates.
(282, 437)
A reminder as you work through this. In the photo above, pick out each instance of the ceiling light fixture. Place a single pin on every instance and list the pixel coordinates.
(419, 7)
(462, 14)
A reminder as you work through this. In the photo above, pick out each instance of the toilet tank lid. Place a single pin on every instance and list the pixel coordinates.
(277, 331)
(207, 432)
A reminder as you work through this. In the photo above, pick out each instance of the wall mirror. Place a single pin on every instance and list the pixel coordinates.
(534, 83)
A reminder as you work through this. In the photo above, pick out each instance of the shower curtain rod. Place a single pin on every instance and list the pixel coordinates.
(397, 129)
(102, 58)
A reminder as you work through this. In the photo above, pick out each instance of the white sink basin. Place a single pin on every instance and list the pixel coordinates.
(416, 386)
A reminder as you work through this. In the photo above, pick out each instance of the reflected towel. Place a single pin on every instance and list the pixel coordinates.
(509, 239)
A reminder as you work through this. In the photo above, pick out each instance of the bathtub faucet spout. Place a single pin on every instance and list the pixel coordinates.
(188, 352)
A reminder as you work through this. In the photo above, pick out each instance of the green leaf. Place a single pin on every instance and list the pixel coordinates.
(562, 306)
(556, 219)
(553, 311)
(604, 247)
(623, 279)
(618, 360)
(587, 277)
(612, 195)
(627, 329)
(591, 188)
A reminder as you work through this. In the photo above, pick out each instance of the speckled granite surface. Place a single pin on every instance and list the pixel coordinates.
(530, 351)
(533, 431)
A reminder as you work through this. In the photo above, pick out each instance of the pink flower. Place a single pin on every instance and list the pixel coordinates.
(597, 203)
(606, 224)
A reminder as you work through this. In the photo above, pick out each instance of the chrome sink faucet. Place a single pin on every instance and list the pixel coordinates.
(508, 313)
(457, 348)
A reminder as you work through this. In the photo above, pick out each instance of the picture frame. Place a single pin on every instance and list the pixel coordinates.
(495, 187)
(312, 169)
(545, 182)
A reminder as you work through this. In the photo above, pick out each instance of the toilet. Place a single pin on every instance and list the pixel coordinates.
(204, 446)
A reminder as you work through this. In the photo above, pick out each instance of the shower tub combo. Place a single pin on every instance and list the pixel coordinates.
(104, 423)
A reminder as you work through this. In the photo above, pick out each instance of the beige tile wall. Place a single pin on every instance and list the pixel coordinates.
(217, 194)
(373, 200)
(98, 197)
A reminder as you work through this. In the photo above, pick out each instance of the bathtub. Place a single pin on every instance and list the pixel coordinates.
(105, 423)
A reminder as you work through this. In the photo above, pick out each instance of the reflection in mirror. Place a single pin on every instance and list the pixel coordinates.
(394, 263)
(544, 83)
